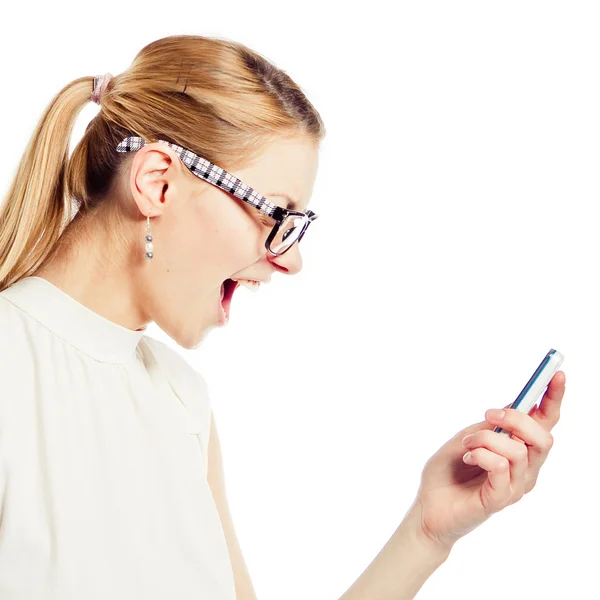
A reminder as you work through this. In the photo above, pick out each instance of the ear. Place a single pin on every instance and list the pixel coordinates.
(155, 169)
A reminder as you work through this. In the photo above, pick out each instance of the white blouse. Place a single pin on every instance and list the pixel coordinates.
(103, 457)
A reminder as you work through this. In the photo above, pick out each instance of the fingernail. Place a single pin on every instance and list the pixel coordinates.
(494, 413)
(467, 439)
(468, 458)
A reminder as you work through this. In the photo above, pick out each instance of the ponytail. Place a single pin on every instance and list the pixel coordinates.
(36, 209)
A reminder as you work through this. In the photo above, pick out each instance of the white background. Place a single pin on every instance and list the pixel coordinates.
(458, 189)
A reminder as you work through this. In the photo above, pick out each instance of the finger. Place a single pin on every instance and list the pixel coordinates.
(485, 424)
(528, 430)
(496, 491)
(548, 412)
(514, 451)
(476, 427)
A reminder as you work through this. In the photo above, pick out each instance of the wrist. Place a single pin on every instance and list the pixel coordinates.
(404, 564)
(413, 526)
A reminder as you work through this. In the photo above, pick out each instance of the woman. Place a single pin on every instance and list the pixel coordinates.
(193, 178)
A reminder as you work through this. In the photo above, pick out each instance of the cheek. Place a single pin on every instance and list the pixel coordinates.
(243, 246)
(214, 244)
(236, 242)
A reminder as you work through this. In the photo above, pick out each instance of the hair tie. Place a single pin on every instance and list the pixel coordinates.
(100, 84)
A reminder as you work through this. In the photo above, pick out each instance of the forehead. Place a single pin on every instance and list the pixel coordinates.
(285, 172)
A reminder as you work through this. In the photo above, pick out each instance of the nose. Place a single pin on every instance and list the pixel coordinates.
(290, 262)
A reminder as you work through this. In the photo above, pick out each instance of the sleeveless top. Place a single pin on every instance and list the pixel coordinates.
(103, 459)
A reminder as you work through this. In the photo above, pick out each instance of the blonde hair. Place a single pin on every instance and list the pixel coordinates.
(213, 96)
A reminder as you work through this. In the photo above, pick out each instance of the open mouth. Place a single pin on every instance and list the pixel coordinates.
(227, 288)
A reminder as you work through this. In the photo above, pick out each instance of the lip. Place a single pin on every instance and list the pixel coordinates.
(222, 315)
(223, 318)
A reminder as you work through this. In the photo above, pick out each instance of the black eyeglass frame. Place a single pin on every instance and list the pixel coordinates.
(215, 175)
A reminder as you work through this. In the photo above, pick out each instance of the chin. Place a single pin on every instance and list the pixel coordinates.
(197, 341)
(193, 343)
(190, 338)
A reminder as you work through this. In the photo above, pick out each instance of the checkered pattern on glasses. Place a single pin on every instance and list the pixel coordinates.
(211, 173)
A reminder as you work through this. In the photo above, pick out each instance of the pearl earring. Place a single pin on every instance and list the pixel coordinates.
(149, 245)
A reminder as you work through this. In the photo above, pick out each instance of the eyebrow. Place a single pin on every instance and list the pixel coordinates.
(291, 205)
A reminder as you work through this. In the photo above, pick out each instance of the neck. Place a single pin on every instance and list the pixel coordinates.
(87, 266)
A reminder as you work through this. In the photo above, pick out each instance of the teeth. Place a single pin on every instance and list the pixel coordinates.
(250, 284)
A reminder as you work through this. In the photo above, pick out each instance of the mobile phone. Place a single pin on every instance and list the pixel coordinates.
(536, 385)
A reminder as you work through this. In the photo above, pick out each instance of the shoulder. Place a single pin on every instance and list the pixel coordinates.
(17, 326)
(10, 315)
(20, 364)
(17, 347)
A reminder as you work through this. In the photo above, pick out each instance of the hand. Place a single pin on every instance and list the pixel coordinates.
(456, 495)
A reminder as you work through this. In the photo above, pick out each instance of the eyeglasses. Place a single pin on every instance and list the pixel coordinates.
(290, 225)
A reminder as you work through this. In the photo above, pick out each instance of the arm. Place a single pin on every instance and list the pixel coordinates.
(216, 480)
(456, 495)
(403, 565)
(397, 573)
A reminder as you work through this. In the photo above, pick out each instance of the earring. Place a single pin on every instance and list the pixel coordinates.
(149, 244)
